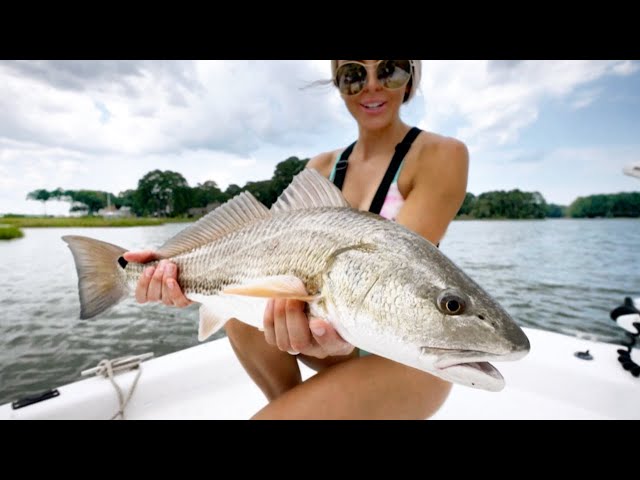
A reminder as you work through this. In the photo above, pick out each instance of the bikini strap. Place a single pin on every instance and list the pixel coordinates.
(340, 167)
(401, 150)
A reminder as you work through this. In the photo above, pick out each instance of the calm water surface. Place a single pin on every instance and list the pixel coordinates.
(559, 275)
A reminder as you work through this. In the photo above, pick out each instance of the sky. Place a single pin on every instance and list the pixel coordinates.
(562, 128)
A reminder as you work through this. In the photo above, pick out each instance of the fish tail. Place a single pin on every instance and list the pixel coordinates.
(100, 268)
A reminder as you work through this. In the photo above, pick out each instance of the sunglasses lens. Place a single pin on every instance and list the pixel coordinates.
(351, 78)
(394, 73)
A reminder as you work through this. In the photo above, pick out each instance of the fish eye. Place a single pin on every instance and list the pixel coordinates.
(451, 303)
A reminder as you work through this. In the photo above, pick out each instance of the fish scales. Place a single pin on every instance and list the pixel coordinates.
(300, 243)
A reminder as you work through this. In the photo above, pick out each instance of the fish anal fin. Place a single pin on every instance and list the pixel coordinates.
(277, 286)
(210, 322)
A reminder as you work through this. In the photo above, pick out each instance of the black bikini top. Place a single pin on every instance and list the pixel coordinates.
(401, 150)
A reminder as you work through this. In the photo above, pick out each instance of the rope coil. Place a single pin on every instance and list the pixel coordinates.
(108, 369)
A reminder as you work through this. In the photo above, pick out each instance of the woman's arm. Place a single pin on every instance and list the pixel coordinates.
(438, 191)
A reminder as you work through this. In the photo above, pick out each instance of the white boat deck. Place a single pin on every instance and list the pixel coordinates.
(552, 383)
(208, 382)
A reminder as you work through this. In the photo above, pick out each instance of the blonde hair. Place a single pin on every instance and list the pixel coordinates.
(414, 82)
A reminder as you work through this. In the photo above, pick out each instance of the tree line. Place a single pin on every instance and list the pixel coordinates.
(626, 204)
(168, 194)
(515, 204)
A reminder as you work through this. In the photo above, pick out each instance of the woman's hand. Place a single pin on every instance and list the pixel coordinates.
(287, 327)
(158, 284)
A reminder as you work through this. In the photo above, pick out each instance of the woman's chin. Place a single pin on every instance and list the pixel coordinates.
(374, 123)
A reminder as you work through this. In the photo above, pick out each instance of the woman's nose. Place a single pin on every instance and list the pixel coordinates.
(372, 84)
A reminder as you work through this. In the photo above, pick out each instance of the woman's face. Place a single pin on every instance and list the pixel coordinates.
(374, 106)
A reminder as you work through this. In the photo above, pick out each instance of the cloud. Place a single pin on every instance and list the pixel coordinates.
(495, 100)
(104, 124)
(165, 107)
(252, 103)
(626, 68)
(561, 174)
(122, 76)
(517, 155)
(249, 162)
(584, 98)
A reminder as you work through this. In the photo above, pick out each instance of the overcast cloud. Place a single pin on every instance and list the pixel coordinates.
(104, 124)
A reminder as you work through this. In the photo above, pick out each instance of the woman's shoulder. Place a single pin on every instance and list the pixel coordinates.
(434, 147)
(438, 154)
(439, 162)
(323, 162)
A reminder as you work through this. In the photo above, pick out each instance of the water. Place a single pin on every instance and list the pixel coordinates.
(559, 275)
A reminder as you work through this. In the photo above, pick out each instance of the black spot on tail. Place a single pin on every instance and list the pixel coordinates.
(123, 263)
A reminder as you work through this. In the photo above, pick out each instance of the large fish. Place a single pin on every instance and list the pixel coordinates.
(383, 287)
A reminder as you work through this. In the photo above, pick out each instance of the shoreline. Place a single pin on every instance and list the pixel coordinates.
(61, 222)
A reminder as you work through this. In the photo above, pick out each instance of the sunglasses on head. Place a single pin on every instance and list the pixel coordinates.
(351, 77)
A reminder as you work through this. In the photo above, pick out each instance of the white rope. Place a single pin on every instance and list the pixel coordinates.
(107, 368)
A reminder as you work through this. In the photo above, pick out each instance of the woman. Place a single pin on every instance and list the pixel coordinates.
(413, 177)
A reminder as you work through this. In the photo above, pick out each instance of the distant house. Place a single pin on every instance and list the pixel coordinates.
(112, 212)
(78, 209)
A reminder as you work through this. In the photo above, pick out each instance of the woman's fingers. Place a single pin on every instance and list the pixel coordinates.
(280, 325)
(142, 256)
(159, 283)
(287, 327)
(171, 293)
(328, 338)
(154, 292)
(268, 323)
(143, 284)
(177, 296)
(297, 326)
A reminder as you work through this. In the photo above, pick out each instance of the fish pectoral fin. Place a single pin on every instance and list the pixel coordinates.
(210, 322)
(278, 286)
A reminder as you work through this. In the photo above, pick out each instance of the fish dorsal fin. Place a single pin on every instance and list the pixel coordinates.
(240, 211)
(309, 189)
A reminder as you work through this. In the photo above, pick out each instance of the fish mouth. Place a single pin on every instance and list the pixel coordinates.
(467, 367)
